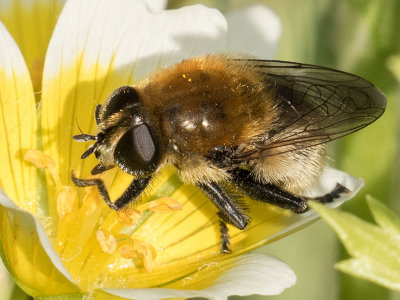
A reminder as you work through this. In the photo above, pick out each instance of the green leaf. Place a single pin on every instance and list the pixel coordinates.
(375, 248)
(371, 270)
(393, 64)
(384, 217)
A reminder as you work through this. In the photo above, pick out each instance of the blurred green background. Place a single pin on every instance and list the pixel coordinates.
(357, 36)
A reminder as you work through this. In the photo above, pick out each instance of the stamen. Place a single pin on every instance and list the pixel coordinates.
(129, 216)
(67, 201)
(107, 241)
(146, 251)
(127, 250)
(162, 205)
(42, 161)
(90, 201)
(79, 221)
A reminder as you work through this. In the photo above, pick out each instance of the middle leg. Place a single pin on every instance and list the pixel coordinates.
(229, 211)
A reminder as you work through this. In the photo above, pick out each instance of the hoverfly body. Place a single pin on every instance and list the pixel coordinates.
(258, 125)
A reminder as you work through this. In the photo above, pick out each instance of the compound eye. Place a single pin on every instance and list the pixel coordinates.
(137, 151)
(118, 100)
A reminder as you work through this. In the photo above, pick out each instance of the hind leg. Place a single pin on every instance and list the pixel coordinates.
(273, 194)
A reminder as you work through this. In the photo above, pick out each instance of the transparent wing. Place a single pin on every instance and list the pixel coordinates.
(317, 105)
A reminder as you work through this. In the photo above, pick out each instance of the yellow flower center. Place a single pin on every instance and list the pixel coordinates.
(93, 240)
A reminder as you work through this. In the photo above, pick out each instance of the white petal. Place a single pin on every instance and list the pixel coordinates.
(7, 283)
(123, 35)
(18, 123)
(100, 45)
(10, 56)
(252, 274)
(31, 222)
(155, 5)
(328, 180)
(255, 31)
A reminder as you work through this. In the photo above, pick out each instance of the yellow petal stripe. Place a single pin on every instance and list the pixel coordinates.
(31, 24)
(146, 247)
(177, 245)
(25, 257)
(17, 125)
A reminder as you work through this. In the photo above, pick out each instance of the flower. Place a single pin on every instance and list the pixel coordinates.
(56, 239)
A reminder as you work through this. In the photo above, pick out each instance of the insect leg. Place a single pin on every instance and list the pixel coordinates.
(89, 150)
(268, 192)
(223, 229)
(84, 137)
(335, 193)
(273, 194)
(97, 114)
(229, 211)
(136, 187)
(100, 168)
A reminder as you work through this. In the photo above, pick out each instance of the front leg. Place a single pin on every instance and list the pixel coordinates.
(97, 114)
(134, 190)
(229, 211)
